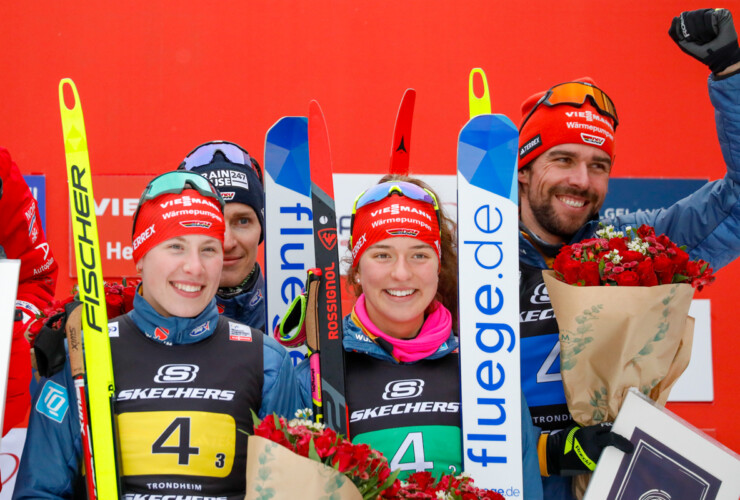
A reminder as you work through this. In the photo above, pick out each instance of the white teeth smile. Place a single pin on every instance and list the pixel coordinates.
(187, 288)
(571, 202)
(400, 293)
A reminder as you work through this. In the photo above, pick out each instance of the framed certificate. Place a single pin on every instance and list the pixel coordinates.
(672, 459)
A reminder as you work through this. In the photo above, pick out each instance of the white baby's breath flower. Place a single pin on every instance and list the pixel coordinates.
(637, 245)
(614, 257)
(608, 232)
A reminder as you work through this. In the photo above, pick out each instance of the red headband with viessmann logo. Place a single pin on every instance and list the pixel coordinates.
(171, 215)
(393, 217)
(550, 126)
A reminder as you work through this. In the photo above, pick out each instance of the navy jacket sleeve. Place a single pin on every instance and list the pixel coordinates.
(280, 393)
(50, 464)
(708, 221)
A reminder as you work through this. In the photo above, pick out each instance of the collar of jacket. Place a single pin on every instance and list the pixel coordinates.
(355, 340)
(173, 330)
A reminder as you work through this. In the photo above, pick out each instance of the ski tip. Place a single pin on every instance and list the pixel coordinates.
(478, 105)
(401, 145)
(70, 96)
(314, 107)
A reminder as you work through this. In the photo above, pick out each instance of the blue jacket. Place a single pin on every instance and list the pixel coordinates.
(351, 342)
(52, 454)
(247, 307)
(707, 221)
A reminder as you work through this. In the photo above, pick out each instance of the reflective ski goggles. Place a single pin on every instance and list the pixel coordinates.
(203, 155)
(575, 94)
(385, 190)
(176, 182)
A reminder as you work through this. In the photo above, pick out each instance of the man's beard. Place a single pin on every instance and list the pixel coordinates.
(562, 227)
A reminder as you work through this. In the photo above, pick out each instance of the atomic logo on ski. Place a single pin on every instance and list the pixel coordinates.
(328, 237)
(401, 147)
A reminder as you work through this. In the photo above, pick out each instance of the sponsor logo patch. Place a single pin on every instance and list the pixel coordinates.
(228, 195)
(256, 298)
(113, 330)
(530, 145)
(592, 139)
(53, 402)
(196, 223)
(176, 374)
(143, 236)
(403, 232)
(540, 295)
(227, 178)
(200, 330)
(403, 389)
(240, 332)
(360, 243)
(161, 333)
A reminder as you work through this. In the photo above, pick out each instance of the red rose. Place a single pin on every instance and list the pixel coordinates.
(590, 273)
(693, 269)
(618, 244)
(631, 256)
(644, 231)
(663, 268)
(679, 259)
(646, 272)
(570, 271)
(560, 261)
(114, 304)
(325, 443)
(627, 278)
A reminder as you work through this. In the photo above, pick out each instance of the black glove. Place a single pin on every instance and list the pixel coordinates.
(707, 35)
(49, 344)
(576, 449)
(49, 347)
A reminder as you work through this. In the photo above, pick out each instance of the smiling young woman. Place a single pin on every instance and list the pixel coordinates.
(187, 379)
(401, 351)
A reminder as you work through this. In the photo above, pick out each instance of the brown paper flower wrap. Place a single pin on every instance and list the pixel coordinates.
(274, 472)
(613, 338)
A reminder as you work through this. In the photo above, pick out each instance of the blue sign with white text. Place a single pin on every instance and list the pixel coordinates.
(628, 195)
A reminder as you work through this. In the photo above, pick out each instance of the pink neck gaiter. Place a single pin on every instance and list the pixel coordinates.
(434, 332)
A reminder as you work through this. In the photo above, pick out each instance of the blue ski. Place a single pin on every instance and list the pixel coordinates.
(289, 246)
(488, 256)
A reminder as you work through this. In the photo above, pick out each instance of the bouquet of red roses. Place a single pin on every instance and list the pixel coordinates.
(622, 303)
(449, 487)
(321, 463)
(119, 297)
(303, 459)
(638, 259)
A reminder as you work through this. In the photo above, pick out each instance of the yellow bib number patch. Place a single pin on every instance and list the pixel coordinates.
(191, 443)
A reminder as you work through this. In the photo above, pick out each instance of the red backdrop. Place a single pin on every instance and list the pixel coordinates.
(156, 78)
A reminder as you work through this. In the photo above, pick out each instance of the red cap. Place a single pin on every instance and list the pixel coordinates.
(172, 215)
(392, 217)
(563, 124)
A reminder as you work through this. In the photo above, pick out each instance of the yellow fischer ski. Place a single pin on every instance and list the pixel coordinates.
(100, 455)
(478, 105)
